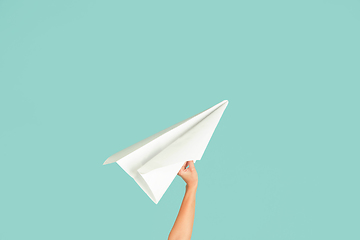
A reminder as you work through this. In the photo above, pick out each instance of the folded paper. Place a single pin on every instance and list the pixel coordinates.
(155, 161)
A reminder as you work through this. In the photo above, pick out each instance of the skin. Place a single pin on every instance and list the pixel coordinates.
(184, 222)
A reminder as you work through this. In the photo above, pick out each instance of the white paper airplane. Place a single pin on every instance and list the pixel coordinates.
(155, 161)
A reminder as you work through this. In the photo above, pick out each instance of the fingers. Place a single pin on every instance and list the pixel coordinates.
(186, 164)
(191, 165)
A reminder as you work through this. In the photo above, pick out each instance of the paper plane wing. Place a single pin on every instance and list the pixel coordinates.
(155, 161)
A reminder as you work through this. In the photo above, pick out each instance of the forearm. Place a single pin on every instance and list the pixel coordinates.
(183, 225)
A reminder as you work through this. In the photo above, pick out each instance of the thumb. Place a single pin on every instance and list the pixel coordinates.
(182, 168)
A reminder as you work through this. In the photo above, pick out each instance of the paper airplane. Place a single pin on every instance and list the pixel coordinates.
(155, 161)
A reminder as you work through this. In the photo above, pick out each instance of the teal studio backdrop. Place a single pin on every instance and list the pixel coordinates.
(82, 80)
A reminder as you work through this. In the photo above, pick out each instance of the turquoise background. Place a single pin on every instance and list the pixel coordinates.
(81, 80)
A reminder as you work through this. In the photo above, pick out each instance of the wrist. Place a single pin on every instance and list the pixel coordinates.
(191, 186)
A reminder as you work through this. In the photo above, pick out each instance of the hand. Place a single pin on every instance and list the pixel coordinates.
(189, 175)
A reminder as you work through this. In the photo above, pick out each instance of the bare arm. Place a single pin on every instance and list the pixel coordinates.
(184, 222)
